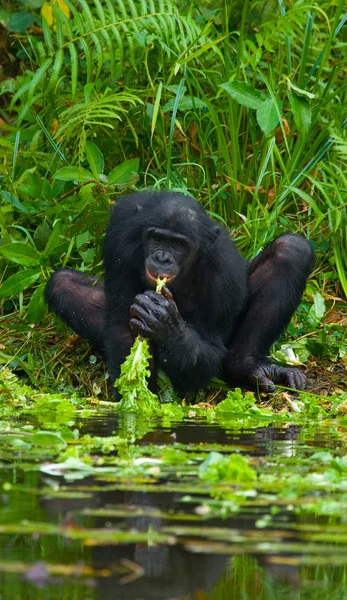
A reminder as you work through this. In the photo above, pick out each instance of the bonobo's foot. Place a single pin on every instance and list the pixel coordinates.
(263, 374)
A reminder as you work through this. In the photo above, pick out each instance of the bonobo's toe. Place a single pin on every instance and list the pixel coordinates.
(263, 375)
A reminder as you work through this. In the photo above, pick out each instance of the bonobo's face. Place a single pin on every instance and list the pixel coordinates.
(167, 254)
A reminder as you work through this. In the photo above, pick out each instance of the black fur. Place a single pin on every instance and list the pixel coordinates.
(226, 312)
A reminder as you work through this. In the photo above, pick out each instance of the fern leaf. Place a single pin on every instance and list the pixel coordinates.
(47, 35)
(99, 54)
(40, 52)
(59, 29)
(100, 12)
(22, 90)
(88, 57)
(74, 67)
(122, 9)
(56, 69)
(110, 51)
(117, 37)
(87, 14)
(38, 77)
(120, 47)
(77, 19)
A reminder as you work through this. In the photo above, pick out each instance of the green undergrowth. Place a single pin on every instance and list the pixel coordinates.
(18, 398)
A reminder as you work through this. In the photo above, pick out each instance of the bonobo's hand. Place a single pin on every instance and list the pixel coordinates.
(156, 316)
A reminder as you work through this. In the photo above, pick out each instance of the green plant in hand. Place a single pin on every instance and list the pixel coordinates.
(132, 382)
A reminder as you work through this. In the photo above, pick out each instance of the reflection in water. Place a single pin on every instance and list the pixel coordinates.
(224, 566)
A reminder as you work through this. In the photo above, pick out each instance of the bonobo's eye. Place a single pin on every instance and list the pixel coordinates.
(180, 244)
(155, 237)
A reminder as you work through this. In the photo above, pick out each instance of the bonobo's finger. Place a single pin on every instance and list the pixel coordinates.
(158, 298)
(264, 384)
(140, 327)
(148, 314)
(154, 297)
(166, 292)
(136, 310)
(151, 304)
(295, 379)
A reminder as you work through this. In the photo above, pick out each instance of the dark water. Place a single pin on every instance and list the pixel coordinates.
(210, 559)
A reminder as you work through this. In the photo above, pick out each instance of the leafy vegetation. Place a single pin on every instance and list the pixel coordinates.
(244, 107)
(241, 104)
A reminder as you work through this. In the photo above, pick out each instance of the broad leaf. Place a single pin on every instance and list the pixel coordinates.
(301, 112)
(20, 20)
(319, 305)
(20, 253)
(95, 158)
(244, 94)
(73, 174)
(19, 282)
(37, 305)
(124, 172)
(185, 103)
(268, 115)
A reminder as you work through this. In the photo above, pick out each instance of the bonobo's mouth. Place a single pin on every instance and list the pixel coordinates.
(152, 279)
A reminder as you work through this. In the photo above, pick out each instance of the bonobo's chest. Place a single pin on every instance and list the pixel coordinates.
(187, 306)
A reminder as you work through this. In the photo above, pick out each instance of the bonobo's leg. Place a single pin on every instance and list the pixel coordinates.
(277, 279)
(80, 302)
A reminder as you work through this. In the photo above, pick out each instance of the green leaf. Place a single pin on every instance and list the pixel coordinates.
(74, 67)
(319, 305)
(268, 115)
(217, 467)
(95, 158)
(54, 239)
(20, 20)
(41, 234)
(20, 253)
(132, 382)
(125, 171)
(185, 103)
(73, 174)
(301, 112)
(37, 305)
(19, 282)
(244, 94)
(48, 438)
(13, 200)
(38, 77)
(300, 91)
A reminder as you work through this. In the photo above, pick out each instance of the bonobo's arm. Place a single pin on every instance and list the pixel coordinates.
(119, 340)
(189, 360)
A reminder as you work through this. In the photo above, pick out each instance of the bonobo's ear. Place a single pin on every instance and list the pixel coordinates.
(215, 232)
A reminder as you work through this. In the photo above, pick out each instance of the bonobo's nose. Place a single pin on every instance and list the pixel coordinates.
(163, 258)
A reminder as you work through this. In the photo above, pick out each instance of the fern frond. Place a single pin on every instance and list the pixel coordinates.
(56, 69)
(74, 67)
(99, 111)
(340, 144)
(103, 32)
(38, 77)
(47, 35)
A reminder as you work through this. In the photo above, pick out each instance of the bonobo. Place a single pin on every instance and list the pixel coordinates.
(218, 313)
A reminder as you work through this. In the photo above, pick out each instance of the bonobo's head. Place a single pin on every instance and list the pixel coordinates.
(167, 254)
